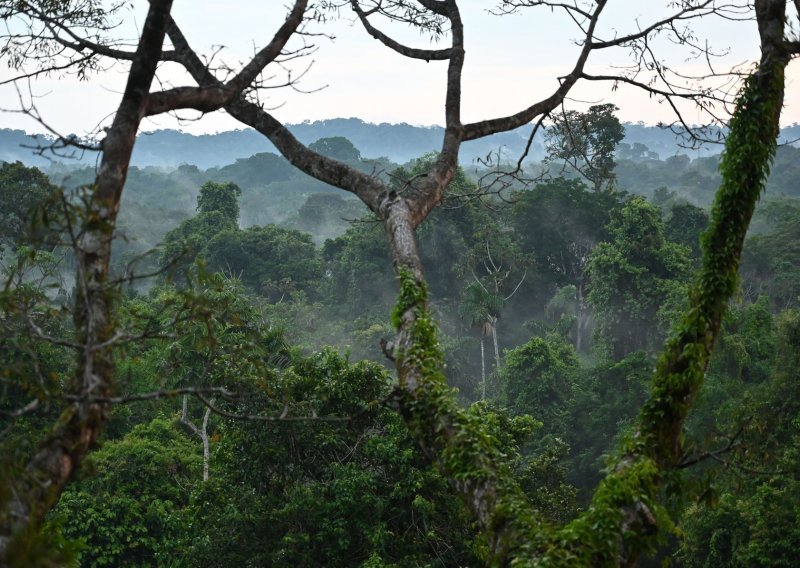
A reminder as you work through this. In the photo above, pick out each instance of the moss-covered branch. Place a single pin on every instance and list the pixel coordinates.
(455, 439)
(625, 514)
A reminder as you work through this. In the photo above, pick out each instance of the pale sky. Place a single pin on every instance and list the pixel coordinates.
(511, 62)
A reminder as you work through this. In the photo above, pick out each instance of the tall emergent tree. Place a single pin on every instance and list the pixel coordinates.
(586, 142)
(620, 523)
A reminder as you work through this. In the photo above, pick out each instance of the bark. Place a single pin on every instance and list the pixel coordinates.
(611, 531)
(483, 370)
(496, 347)
(62, 451)
(201, 433)
(582, 317)
(211, 96)
(413, 53)
(626, 502)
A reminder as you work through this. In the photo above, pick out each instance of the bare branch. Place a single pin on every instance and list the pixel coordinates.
(424, 54)
(266, 418)
(22, 411)
(545, 106)
(209, 97)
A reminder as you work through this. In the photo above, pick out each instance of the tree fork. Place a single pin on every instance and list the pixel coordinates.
(624, 515)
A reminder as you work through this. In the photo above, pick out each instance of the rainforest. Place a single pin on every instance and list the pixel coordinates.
(551, 336)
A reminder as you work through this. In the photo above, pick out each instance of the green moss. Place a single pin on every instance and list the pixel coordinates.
(624, 516)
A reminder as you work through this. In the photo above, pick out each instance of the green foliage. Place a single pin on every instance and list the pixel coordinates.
(336, 147)
(771, 258)
(183, 244)
(537, 378)
(359, 265)
(631, 278)
(334, 494)
(222, 198)
(255, 171)
(586, 142)
(606, 398)
(559, 223)
(130, 514)
(30, 369)
(480, 306)
(218, 211)
(746, 347)
(469, 451)
(754, 522)
(22, 189)
(326, 215)
(270, 260)
(685, 224)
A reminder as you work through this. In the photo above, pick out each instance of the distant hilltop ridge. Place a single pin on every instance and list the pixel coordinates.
(398, 142)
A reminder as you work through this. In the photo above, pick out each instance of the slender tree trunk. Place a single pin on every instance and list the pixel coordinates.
(63, 449)
(657, 443)
(580, 324)
(496, 348)
(483, 370)
(204, 437)
(201, 433)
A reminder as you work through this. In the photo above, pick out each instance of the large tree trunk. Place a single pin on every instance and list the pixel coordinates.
(470, 461)
(615, 528)
(59, 455)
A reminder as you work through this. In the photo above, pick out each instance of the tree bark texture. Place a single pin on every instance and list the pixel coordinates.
(61, 452)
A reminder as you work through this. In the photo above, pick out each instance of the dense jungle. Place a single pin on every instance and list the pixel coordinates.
(586, 357)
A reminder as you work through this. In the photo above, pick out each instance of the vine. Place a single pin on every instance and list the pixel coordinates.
(624, 517)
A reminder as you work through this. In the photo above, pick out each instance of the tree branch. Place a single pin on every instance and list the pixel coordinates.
(211, 97)
(424, 54)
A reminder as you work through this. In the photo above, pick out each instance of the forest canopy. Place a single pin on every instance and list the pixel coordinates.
(578, 360)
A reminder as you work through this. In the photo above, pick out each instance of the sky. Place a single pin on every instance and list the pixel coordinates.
(511, 62)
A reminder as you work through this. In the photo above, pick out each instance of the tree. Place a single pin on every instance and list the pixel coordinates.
(22, 189)
(685, 225)
(559, 222)
(222, 198)
(482, 308)
(336, 147)
(218, 211)
(132, 514)
(28, 497)
(625, 508)
(270, 260)
(633, 277)
(586, 142)
(538, 379)
(770, 259)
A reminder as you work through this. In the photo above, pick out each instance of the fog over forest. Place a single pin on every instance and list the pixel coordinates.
(577, 308)
(548, 338)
